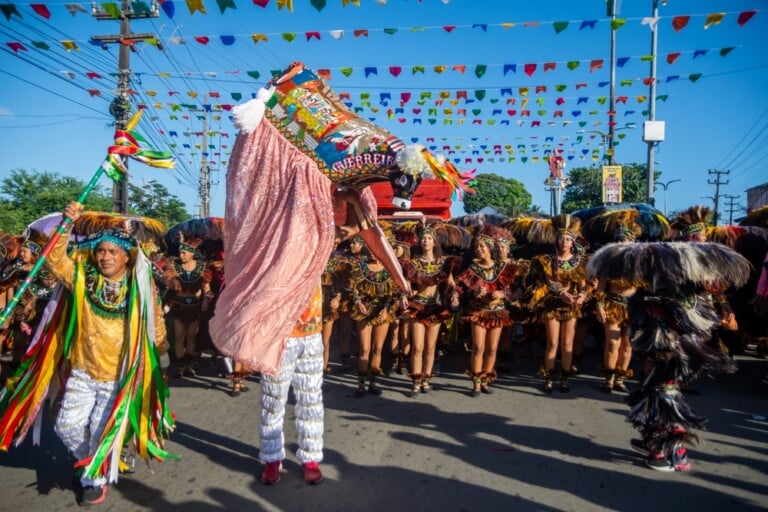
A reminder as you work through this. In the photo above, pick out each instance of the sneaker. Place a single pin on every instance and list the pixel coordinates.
(680, 459)
(312, 473)
(93, 495)
(271, 474)
(659, 462)
(639, 446)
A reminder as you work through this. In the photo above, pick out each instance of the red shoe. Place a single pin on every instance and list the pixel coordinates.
(312, 473)
(271, 474)
(93, 495)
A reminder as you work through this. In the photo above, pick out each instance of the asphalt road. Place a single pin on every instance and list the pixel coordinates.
(517, 449)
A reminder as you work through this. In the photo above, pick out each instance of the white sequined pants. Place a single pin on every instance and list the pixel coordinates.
(85, 409)
(302, 368)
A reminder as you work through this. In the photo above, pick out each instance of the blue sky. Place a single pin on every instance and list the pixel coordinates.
(54, 103)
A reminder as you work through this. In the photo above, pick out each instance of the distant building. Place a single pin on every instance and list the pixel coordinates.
(757, 197)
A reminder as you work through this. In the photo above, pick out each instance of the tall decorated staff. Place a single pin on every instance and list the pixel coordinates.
(128, 144)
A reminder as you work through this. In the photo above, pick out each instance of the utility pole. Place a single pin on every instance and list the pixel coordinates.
(204, 187)
(732, 207)
(121, 106)
(611, 4)
(717, 184)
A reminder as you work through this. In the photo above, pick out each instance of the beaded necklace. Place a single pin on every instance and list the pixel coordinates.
(487, 274)
(373, 276)
(109, 298)
(188, 276)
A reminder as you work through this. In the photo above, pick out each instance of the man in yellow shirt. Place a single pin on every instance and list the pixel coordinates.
(115, 301)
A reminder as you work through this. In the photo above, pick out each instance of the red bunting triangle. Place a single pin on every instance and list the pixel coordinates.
(529, 69)
(395, 70)
(43, 11)
(679, 22)
(449, 28)
(744, 17)
(672, 57)
(261, 3)
(202, 39)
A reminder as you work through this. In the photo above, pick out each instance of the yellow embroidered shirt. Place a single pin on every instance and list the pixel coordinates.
(97, 347)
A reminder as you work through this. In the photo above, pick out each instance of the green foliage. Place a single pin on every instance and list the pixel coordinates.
(585, 190)
(153, 200)
(507, 195)
(28, 196)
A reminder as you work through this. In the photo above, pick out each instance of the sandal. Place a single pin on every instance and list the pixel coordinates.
(548, 386)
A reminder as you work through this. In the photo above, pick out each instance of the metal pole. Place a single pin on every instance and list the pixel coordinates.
(205, 183)
(652, 103)
(612, 107)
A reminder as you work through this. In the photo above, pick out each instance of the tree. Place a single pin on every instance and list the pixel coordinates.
(506, 195)
(585, 189)
(27, 196)
(153, 200)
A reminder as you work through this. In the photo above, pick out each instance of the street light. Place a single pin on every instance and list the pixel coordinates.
(665, 185)
(606, 139)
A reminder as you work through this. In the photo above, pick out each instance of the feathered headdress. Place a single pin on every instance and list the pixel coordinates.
(9, 246)
(448, 236)
(757, 217)
(209, 231)
(142, 229)
(604, 224)
(35, 241)
(691, 221)
(672, 266)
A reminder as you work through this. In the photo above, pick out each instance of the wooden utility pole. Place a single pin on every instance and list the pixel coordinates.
(717, 184)
(120, 108)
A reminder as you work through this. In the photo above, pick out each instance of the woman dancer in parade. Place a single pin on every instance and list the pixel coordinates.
(429, 273)
(611, 309)
(190, 285)
(333, 281)
(354, 252)
(560, 292)
(400, 330)
(482, 289)
(375, 301)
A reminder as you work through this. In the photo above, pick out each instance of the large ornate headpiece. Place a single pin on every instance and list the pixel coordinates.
(117, 236)
(35, 242)
(567, 225)
(347, 148)
(188, 244)
(692, 221)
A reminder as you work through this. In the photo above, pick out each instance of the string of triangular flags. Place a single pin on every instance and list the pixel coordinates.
(168, 7)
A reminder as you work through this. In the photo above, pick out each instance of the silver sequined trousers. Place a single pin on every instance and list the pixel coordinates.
(84, 413)
(301, 367)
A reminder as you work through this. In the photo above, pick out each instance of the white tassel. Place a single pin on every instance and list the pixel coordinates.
(248, 115)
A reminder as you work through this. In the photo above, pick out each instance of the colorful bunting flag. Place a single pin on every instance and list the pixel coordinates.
(196, 5)
(41, 10)
(713, 19)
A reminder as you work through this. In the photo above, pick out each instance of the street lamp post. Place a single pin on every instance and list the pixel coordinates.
(607, 139)
(665, 185)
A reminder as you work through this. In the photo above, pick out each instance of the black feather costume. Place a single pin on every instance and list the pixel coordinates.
(672, 318)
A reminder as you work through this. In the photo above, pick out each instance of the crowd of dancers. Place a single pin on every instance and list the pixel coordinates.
(678, 308)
